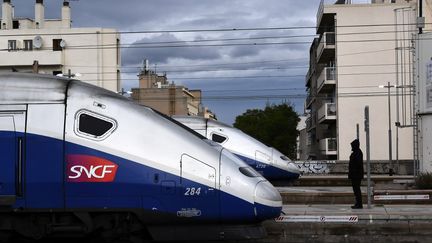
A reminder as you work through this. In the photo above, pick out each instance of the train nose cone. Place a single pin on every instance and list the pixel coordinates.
(294, 168)
(268, 201)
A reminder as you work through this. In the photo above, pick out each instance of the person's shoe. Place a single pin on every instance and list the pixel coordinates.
(357, 207)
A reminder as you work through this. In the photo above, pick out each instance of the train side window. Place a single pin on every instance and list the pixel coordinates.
(92, 125)
(218, 138)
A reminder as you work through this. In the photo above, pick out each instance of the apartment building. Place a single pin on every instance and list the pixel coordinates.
(53, 46)
(360, 48)
(157, 92)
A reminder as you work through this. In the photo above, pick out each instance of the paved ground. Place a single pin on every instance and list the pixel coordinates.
(313, 189)
(378, 212)
(339, 223)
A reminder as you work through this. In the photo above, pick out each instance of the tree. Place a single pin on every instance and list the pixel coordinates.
(275, 126)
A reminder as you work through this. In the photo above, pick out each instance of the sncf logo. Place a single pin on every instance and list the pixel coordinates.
(85, 168)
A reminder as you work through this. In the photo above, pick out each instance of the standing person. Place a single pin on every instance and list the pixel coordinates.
(356, 173)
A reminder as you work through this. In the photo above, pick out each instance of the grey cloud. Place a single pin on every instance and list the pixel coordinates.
(163, 54)
(138, 15)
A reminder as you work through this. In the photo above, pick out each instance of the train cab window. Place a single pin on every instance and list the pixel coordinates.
(93, 125)
(218, 138)
(249, 172)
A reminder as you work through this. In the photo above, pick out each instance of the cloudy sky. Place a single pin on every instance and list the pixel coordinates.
(264, 60)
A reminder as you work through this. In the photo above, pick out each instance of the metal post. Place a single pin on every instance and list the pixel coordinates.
(369, 192)
(358, 132)
(390, 132)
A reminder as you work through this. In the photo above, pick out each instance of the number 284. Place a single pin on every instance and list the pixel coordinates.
(192, 191)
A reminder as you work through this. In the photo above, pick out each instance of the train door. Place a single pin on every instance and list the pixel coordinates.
(262, 161)
(12, 132)
(198, 188)
(44, 156)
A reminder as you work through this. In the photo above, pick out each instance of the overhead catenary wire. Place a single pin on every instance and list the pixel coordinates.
(273, 96)
(214, 30)
(152, 44)
(139, 43)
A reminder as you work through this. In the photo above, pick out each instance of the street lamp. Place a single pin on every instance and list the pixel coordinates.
(388, 86)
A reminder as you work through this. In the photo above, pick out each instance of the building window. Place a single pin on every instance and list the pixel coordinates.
(55, 73)
(56, 45)
(15, 24)
(12, 45)
(28, 45)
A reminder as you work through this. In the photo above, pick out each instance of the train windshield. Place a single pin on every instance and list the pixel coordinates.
(179, 124)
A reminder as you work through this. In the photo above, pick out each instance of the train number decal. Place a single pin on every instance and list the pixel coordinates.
(85, 168)
(192, 191)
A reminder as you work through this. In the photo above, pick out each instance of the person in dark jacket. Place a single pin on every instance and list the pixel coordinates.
(355, 172)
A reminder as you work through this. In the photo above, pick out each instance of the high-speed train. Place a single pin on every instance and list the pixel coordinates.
(268, 161)
(81, 159)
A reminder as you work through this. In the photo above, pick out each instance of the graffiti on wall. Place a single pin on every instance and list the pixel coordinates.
(315, 166)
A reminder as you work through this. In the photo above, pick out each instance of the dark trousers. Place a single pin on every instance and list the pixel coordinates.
(357, 192)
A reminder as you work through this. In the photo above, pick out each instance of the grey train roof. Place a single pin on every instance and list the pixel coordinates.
(197, 121)
(27, 88)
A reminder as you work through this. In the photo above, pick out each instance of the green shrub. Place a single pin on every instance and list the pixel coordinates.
(424, 180)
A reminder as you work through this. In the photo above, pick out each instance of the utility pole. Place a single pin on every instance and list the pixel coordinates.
(420, 18)
(390, 132)
(388, 86)
(358, 131)
(366, 123)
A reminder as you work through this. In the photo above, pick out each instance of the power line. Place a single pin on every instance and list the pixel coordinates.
(138, 43)
(215, 30)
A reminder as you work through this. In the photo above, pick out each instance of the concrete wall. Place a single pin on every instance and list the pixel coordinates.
(92, 52)
(174, 101)
(424, 60)
(83, 53)
(362, 65)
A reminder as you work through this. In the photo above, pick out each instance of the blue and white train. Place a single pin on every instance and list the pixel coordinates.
(268, 161)
(78, 158)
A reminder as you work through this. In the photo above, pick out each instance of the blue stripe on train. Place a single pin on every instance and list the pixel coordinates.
(135, 186)
(268, 171)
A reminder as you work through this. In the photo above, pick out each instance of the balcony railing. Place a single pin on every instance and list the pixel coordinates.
(320, 12)
(327, 79)
(44, 57)
(311, 122)
(309, 100)
(327, 113)
(308, 124)
(328, 146)
(308, 76)
(327, 42)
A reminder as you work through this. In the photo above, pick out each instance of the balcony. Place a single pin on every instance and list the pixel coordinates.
(326, 82)
(309, 100)
(327, 113)
(26, 58)
(326, 47)
(308, 77)
(324, 19)
(311, 122)
(328, 146)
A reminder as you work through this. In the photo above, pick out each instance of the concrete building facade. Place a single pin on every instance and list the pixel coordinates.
(52, 46)
(424, 84)
(360, 48)
(156, 92)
